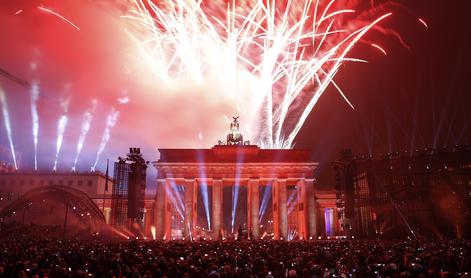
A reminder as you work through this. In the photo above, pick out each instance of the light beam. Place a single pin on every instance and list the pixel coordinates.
(35, 120)
(6, 122)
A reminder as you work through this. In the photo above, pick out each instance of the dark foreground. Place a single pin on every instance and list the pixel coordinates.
(55, 258)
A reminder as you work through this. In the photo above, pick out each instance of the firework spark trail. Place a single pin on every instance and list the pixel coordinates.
(292, 51)
(423, 23)
(61, 125)
(6, 122)
(111, 121)
(380, 49)
(35, 120)
(87, 120)
(60, 137)
(59, 16)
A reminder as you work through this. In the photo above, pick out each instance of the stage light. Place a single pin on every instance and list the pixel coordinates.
(153, 231)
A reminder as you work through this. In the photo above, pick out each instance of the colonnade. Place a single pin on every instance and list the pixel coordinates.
(305, 210)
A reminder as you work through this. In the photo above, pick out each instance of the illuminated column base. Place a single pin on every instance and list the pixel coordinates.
(311, 209)
(280, 210)
(159, 210)
(253, 206)
(302, 215)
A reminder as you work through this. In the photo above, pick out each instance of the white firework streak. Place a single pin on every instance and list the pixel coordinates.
(60, 137)
(111, 121)
(6, 122)
(293, 52)
(87, 120)
(35, 120)
(59, 16)
(61, 125)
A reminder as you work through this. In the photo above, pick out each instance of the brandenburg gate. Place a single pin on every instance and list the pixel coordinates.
(237, 163)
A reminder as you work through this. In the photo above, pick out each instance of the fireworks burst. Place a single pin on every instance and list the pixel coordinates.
(289, 51)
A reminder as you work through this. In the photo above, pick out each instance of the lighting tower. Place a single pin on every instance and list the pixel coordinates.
(129, 191)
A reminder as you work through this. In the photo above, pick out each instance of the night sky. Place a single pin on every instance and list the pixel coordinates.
(415, 97)
(412, 99)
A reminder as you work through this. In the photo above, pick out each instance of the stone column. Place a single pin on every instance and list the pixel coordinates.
(283, 208)
(311, 209)
(194, 217)
(301, 205)
(336, 221)
(217, 208)
(280, 210)
(275, 210)
(159, 209)
(253, 207)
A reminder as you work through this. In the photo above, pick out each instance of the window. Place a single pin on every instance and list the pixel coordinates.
(13, 183)
(22, 182)
(2, 183)
(51, 182)
(31, 182)
(41, 182)
(70, 183)
(80, 182)
(90, 183)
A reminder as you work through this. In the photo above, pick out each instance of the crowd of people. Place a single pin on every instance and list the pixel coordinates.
(37, 231)
(330, 258)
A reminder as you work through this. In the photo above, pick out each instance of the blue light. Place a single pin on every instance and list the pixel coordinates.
(236, 188)
(265, 199)
(204, 187)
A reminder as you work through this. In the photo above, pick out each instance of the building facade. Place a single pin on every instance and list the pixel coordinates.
(236, 189)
